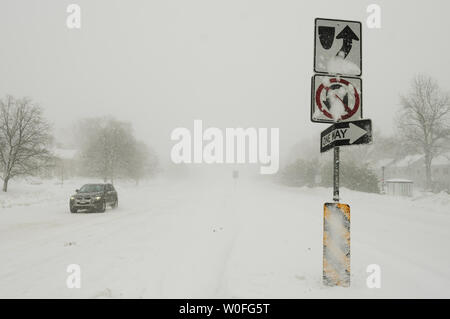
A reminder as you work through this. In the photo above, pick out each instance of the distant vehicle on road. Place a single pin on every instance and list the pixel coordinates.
(94, 197)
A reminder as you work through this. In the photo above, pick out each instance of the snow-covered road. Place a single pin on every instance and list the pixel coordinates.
(212, 238)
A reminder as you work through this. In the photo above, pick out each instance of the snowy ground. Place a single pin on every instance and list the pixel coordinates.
(211, 238)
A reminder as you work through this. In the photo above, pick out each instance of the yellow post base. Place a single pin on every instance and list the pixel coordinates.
(336, 245)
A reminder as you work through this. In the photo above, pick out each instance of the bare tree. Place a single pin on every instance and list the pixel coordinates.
(105, 146)
(423, 121)
(24, 138)
(109, 150)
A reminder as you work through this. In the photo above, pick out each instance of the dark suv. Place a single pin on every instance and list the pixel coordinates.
(94, 197)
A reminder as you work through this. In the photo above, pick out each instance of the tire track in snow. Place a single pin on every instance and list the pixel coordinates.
(205, 243)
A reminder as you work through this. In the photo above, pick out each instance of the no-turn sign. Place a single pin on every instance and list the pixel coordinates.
(335, 98)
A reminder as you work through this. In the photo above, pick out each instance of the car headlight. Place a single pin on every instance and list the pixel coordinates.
(72, 197)
(98, 197)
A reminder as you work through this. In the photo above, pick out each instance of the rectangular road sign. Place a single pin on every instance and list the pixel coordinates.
(336, 244)
(346, 133)
(337, 47)
(335, 98)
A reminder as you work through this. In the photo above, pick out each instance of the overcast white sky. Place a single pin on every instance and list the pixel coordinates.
(162, 64)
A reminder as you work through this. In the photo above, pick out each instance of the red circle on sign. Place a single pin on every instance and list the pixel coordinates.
(325, 112)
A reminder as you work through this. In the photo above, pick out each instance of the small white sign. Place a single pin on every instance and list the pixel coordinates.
(337, 47)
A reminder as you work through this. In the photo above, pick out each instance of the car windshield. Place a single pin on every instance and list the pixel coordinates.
(92, 188)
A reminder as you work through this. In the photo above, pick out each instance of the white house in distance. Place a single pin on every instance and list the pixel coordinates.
(412, 167)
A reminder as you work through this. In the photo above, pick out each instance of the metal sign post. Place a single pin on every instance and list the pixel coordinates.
(336, 175)
(336, 97)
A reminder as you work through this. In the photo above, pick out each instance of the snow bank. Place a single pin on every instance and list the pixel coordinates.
(433, 201)
(28, 192)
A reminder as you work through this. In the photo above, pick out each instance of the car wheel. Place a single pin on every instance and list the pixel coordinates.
(115, 204)
(73, 210)
(103, 207)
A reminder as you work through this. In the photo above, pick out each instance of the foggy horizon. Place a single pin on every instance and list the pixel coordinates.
(161, 65)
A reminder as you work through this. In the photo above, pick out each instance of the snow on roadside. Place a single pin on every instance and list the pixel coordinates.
(216, 238)
(433, 201)
(24, 193)
(279, 252)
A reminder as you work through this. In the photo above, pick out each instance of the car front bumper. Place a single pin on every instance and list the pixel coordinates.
(83, 204)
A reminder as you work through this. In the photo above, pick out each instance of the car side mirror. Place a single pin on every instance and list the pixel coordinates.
(77, 190)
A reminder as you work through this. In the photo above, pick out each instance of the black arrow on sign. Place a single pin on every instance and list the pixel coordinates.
(347, 35)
